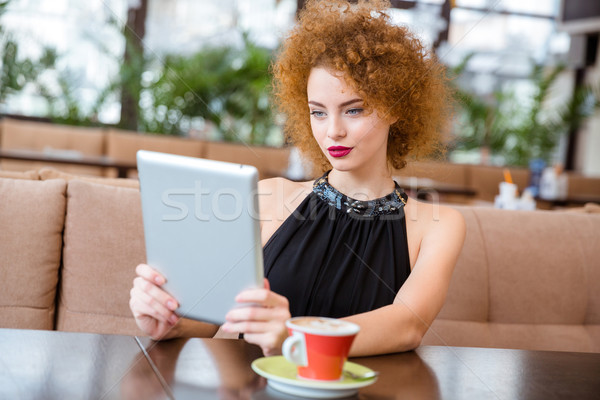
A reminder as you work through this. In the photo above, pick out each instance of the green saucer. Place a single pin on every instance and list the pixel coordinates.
(281, 375)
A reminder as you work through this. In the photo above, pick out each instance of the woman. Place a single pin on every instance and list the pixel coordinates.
(360, 95)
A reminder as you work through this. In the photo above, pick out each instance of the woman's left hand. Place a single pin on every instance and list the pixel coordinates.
(261, 319)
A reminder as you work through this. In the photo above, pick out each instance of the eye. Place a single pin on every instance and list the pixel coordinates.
(317, 113)
(354, 111)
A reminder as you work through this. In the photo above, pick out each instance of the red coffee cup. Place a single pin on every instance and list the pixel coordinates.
(319, 346)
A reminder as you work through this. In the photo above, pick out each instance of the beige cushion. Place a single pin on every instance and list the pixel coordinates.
(470, 273)
(270, 161)
(103, 243)
(534, 259)
(548, 337)
(27, 135)
(31, 175)
(31, 217)
(524, 280)
(51, 173)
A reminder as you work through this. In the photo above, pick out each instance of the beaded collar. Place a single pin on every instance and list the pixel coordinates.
(390, 204)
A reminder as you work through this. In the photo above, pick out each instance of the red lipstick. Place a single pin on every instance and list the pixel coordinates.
(339, 151)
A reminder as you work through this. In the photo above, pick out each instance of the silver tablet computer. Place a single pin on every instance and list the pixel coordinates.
(202, 230)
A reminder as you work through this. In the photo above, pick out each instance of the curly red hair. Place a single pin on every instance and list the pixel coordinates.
(384, 63)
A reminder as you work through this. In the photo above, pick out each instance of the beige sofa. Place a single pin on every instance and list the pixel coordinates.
(69, 246)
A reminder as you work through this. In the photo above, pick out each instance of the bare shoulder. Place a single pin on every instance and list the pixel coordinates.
(433, 225)
(451, 222)
(431, 216)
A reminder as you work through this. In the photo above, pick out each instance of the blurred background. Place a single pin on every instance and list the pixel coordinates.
(526, 73)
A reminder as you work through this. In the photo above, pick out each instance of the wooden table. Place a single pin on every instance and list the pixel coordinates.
(44, 364)
(69, 159)
(60, 365)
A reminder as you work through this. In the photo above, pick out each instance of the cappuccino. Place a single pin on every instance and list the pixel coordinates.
(325, 325)
(319, 346)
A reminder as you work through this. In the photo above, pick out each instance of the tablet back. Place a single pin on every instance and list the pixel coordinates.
(202, 230)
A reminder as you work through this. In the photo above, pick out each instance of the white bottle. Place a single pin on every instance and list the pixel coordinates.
(507, 199)
(549, 184)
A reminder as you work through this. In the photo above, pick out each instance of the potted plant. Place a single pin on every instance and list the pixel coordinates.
(516, 130)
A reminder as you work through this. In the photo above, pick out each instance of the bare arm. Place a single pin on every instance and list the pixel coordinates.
(400, 326)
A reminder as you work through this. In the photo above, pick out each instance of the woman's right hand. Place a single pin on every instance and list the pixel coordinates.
(152, 307)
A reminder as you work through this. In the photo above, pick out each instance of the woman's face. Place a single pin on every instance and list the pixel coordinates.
(351, 137)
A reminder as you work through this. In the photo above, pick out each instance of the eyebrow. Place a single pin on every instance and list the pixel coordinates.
(344, 104)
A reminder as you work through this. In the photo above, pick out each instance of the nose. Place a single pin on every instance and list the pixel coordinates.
(335, 128)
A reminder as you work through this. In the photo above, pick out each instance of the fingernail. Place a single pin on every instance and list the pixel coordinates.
(225, 327)
(159, 280)
(171, 305)
(173, 319)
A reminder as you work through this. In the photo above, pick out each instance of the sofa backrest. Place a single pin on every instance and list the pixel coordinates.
(456, 174)
(580, 185)
(32, 217)
(270, 161)
(27, 135)
(123, 145)
(524, 280)
(103, 243)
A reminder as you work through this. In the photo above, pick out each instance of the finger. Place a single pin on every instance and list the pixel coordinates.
(264, 297)
(141, 309)
(267, 284)
(267, 342)
(248, 327)
(257, 314)
(147, 305)
(156, 293)
(149, 273)
(151, 302)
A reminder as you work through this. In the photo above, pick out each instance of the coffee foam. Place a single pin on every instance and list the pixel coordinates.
(325, 325)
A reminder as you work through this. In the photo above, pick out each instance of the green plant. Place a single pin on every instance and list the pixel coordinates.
(226, 86)
(64, 102)
(520, 129)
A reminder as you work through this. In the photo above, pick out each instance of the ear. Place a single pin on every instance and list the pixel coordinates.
(392, 120)
(389, 119)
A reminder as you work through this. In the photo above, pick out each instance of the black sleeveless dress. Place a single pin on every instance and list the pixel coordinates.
(335, 256)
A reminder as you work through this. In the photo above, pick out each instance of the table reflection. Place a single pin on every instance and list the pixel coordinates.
(402, 376)
(220, 368)
(205, 368)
